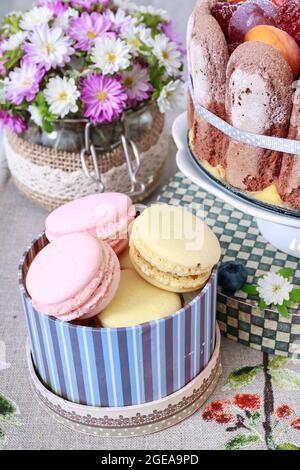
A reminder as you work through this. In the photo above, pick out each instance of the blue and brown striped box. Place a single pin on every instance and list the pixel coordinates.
(125, 366)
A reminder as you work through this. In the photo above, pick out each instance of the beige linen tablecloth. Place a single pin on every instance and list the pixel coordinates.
(20, 220)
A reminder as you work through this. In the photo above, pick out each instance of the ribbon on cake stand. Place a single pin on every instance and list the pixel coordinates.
(263, 141)
(280, 227)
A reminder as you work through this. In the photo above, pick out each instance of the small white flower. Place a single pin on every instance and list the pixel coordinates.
(150, 10)
(35, 115)
(63, 21)
(274, 289)
(167, 53)
(36, 17)
(48, 47)
(136, 36)
(171, 96)
(61, 94)
(14, 41)
(111, 55)
(119, 19)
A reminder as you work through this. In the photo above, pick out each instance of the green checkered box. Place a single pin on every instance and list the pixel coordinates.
(239, 315)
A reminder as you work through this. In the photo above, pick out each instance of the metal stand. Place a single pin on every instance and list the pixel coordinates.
(132, 159)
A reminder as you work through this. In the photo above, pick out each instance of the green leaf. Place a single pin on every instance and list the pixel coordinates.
(255, 419)
(12, 58)
(277, 362)
(287, 446)
(7, 408)
(250, 289)
(262, 304)
(295, 295)
(282, 309)
(47, 126)
(12, 21)
(286, 379)
(241, 377)
(241, 441)
(285, 272)
(287, 303)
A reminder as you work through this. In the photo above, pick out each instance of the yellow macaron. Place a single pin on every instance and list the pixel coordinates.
(173, 249)
(137, 302)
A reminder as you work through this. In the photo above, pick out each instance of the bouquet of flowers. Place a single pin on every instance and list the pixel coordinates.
(92, 59)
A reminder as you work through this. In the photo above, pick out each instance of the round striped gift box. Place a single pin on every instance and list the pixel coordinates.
(124, 366)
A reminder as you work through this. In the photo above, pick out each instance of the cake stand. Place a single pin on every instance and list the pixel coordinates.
(278, 228)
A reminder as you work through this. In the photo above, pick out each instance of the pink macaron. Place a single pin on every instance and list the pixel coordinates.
(74, 277)
(106, 215)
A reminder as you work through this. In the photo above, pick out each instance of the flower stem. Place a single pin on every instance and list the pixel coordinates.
(268, 403)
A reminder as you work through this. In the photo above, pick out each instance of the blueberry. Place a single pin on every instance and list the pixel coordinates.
(232, 275)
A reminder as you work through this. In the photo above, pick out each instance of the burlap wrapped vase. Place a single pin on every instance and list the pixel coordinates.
(55, 168)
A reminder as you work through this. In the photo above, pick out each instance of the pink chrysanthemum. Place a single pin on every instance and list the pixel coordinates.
(57, 7)
(137, 84)
(87, 4)
(104, 98)
(23, 83)
(15, 123)
(86, 29)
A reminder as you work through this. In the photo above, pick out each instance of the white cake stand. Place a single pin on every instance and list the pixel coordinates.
(281, 230)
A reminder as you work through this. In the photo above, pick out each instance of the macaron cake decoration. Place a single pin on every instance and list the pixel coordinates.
(173, 249)
(74, 277)
(105, 215)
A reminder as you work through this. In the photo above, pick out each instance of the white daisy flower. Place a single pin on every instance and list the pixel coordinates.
(61, 94)
(35, 115)
(63, 21)
(14, 41)
(119, 19)
(135, 36)
(171, 96)
(274, 289)
(111, 55)
(150, 10)
(48, 47)
(167, 53)
(36, 17)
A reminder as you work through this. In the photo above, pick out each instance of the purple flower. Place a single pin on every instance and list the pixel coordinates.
(87, 4)
(15, 123)
(88, 28)
(104, 98)
(167, 29)
(23, 83)
(48, 47)
(57, 6)
(137, 84)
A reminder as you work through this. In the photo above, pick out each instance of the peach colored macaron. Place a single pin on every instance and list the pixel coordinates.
(105, 215)
(74, 277)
